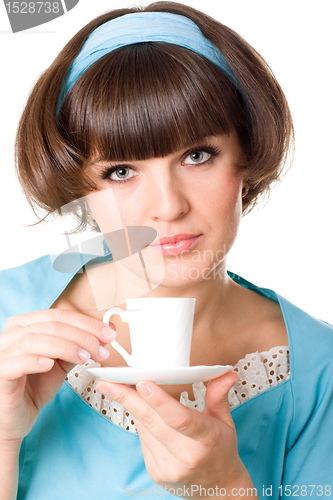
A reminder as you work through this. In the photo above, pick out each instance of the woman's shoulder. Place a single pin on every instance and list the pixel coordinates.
(24, 276)
(311, 374)
(310, 339)
(308, 391)
(37, 284)
(310, 347)
(309, 334)
(29, 287)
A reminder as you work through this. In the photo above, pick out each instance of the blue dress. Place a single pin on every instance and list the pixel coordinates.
(285, 434)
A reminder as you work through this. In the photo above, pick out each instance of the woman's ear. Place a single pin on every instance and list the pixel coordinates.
(91, 220)
(245, 189)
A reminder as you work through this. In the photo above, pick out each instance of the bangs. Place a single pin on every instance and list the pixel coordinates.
(149, 100)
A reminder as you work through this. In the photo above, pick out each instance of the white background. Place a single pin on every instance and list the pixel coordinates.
(287, 245)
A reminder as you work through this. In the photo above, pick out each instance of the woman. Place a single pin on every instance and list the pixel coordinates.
(187, 129)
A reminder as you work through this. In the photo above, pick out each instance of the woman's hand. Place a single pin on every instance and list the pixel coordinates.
(183, 448)
(36, 351)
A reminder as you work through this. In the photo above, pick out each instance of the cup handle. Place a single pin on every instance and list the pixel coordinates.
(123, 314)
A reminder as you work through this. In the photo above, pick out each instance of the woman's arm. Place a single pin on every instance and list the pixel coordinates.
(9, 458)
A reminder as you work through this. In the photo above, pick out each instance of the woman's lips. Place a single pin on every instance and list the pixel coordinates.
(174, 245)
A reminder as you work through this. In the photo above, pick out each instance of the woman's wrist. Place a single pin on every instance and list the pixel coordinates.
(241, 487)
(9, 465)
(12, 446)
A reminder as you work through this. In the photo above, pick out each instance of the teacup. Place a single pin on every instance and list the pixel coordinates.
(160, 331)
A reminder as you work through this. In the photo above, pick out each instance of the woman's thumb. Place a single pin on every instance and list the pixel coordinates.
(216, 399)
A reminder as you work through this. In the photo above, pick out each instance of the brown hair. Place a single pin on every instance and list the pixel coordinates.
(149, 100)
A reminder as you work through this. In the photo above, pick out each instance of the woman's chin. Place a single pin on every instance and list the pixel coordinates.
(182, 271)
(185, 277)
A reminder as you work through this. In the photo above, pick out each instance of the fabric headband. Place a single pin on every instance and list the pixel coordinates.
(141, 27)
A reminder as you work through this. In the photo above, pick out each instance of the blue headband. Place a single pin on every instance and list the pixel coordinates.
(141, 27)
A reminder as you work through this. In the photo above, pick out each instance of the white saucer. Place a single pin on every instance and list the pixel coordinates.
(173, 375)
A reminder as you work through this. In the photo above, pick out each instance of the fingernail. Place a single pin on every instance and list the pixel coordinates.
(102, 387)
(109, 333)
(84, 355)
(144, 389)
(45, 362)
(103, 353)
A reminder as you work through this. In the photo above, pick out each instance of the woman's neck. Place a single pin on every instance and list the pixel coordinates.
(216, 308)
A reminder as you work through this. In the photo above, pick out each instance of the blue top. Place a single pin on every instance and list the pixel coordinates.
(285, 434)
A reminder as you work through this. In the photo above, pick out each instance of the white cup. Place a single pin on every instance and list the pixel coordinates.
(160, 331)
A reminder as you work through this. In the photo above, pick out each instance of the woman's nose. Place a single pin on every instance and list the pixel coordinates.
(168, 201)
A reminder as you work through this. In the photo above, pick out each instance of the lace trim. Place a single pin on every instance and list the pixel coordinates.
(257, 372)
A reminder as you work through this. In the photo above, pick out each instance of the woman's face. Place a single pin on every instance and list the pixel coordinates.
(192, 198)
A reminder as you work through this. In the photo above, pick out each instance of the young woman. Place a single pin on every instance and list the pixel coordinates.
(184, 124)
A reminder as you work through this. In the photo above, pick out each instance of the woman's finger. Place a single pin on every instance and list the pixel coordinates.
(181, 418)
(26, 364)
(85, 340)
(63, 331)
(162, 466)
(52, 347)
(177, 416)
(131, 400)
(157, 457)
(149, 459)
(216, 398)
(73, 318)
(164, 417)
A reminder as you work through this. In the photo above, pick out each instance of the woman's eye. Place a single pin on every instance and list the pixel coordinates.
(197, 157)
(121, 174)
